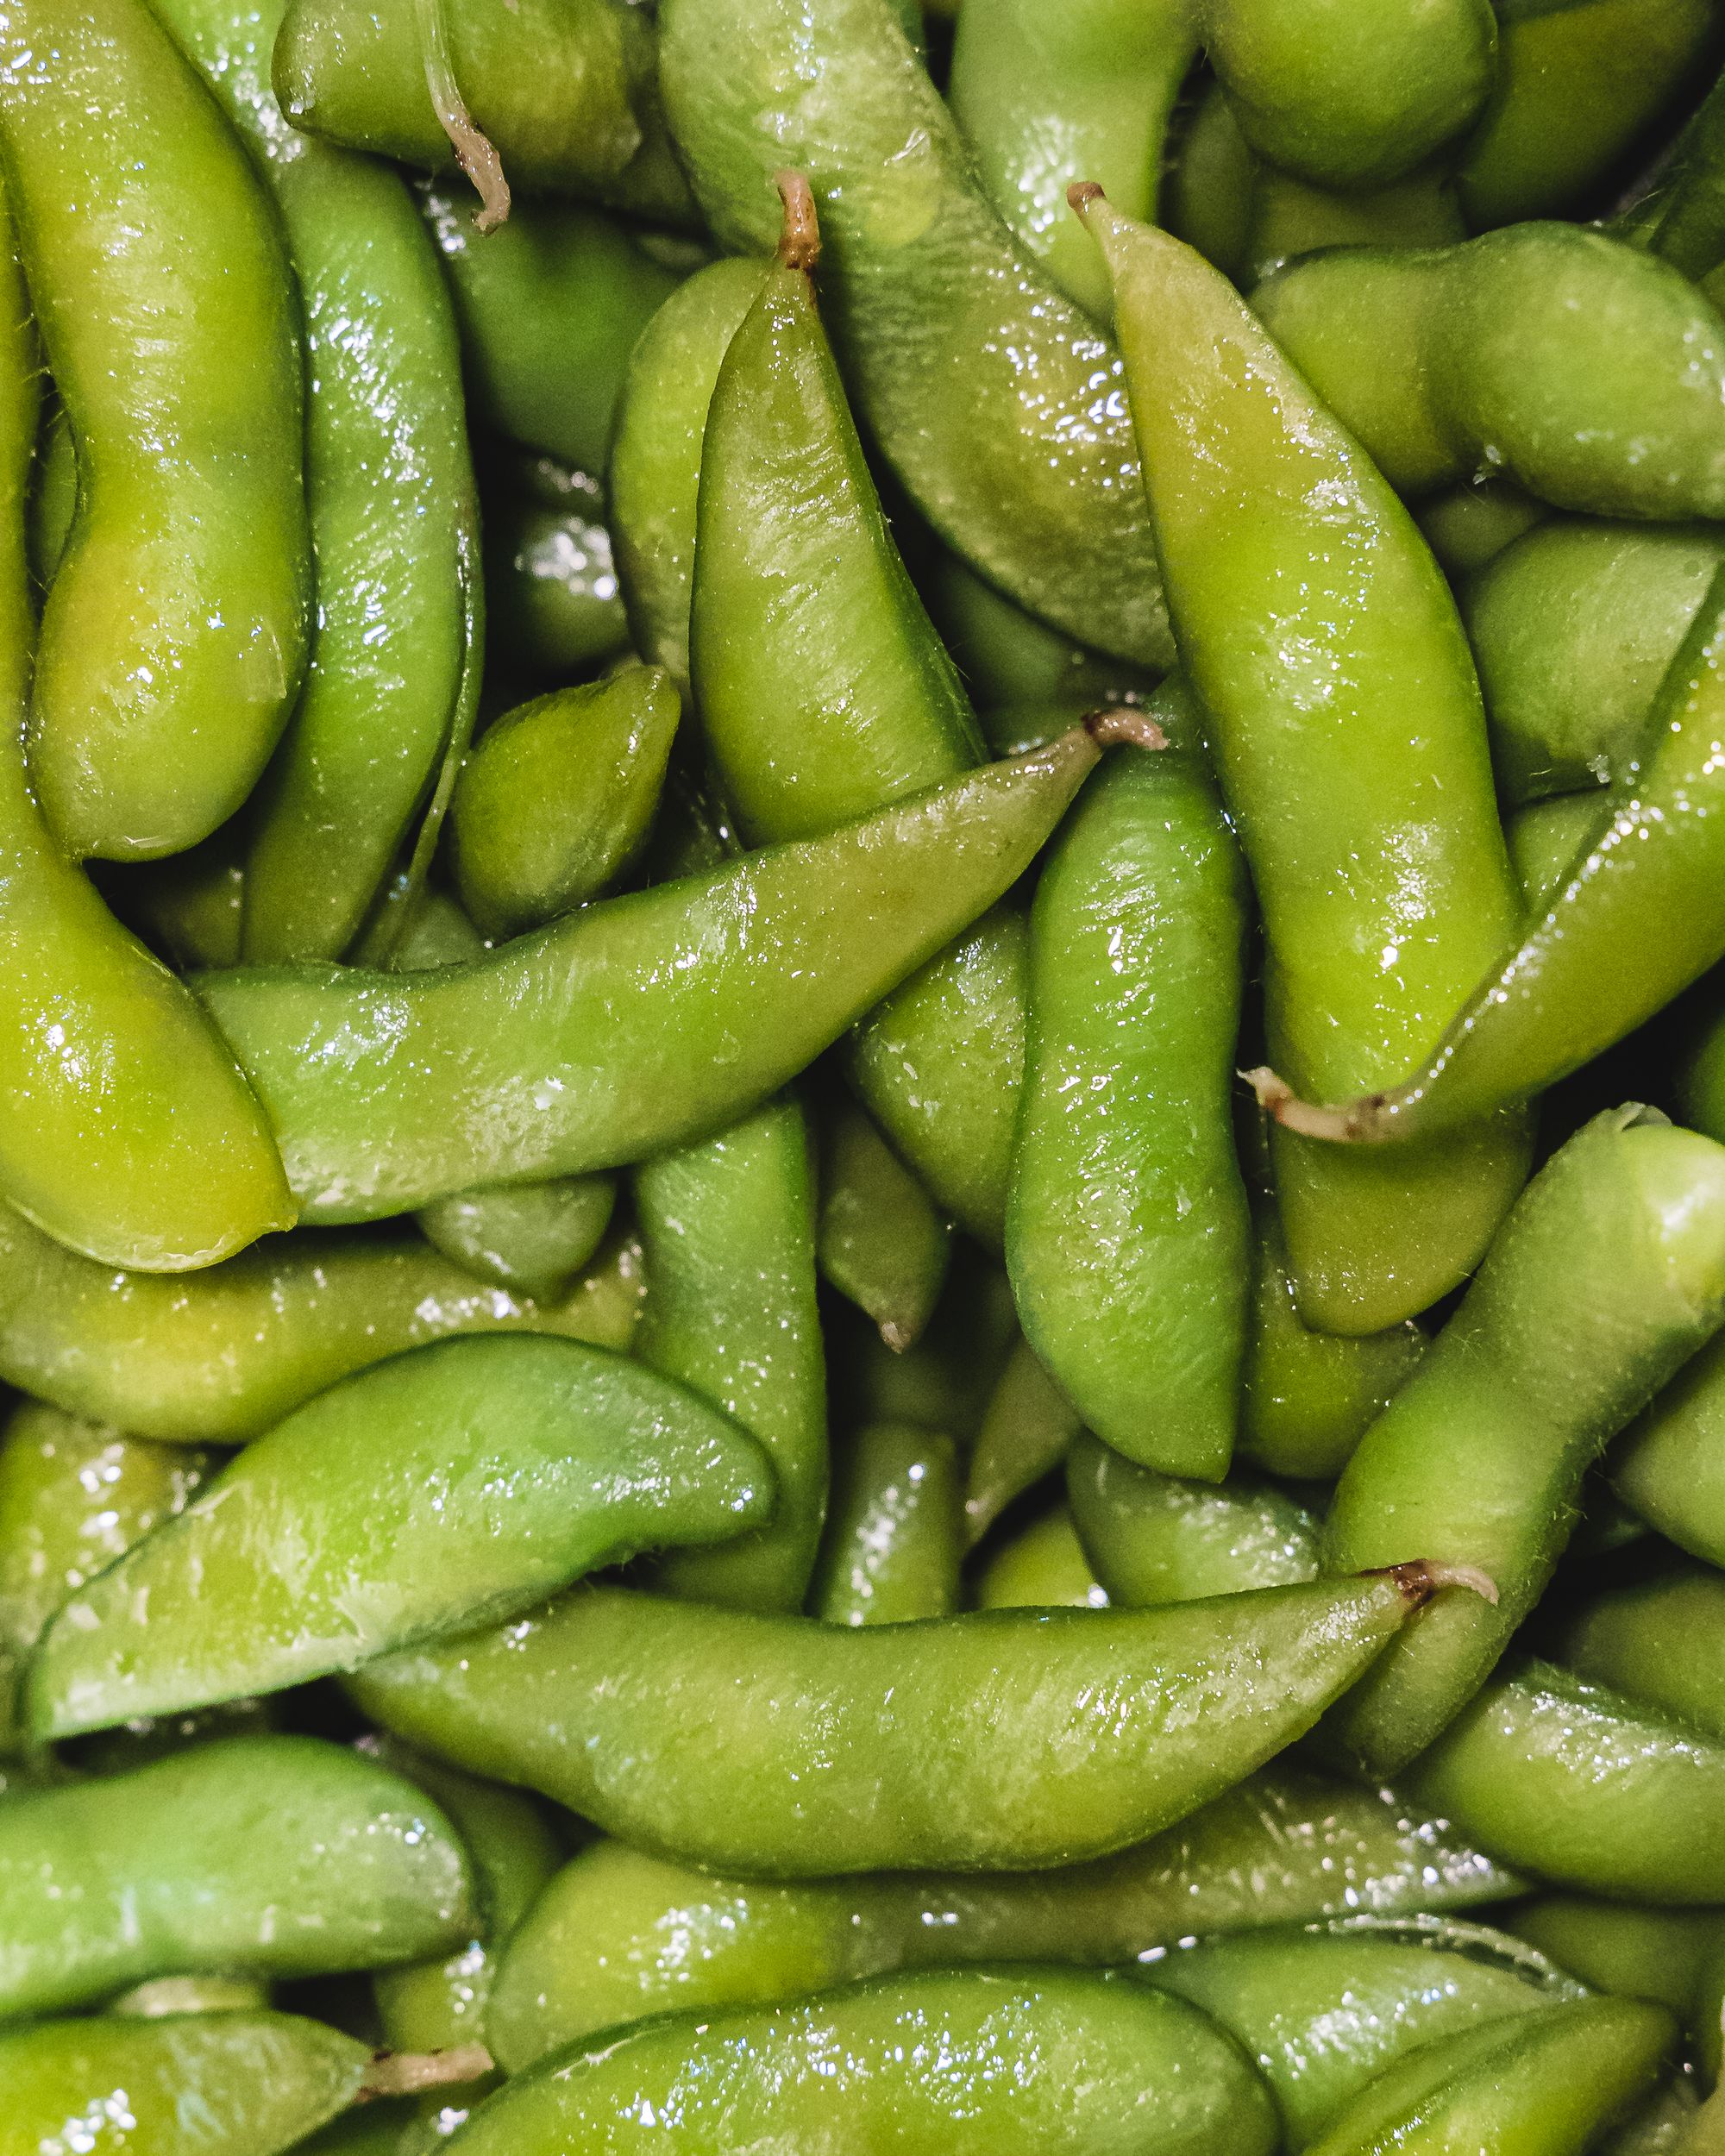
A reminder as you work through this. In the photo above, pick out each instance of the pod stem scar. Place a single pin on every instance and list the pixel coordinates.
(1422, 1577)
(799, 245)
(404, 2073)
(1367, 1121)
(474, 150)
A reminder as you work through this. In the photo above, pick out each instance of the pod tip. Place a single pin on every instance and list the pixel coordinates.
(800, 234)
(1081, 193)
(1422, 1579)
(404, 2073)
(1124, 725)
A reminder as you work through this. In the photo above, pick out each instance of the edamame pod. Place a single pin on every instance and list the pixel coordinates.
(1007, 1737)
(993, 399)
(174, 633)
(563, 89)
(882, 1242)
(1320, 2013)
(394, 660)
(1027, 1431)
(1589, 371)
(655, 453)
(549, 305)
(265, 1855)
(1660, 1640)
(1348, 722)
(1043, 1566)
(1658, 1954)
(1636, 919)
(1128, 1232)
(1580, 1786)
(1008, 657)
(1541, 2085)
(619, 1934)
(442, 1490)
(1050, 2060)
(557, 801)
(1607, 1276)
(1573, 629)
(1473, 524)
(946, 1380)
(554, 607)
(635, 1023)
(728, 1229)
(193, 2085)
(893, 1541)
(1669, 1466)
(74, 1496)
(1158, 1538)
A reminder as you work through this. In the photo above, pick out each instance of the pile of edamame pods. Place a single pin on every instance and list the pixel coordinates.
(863, 1083)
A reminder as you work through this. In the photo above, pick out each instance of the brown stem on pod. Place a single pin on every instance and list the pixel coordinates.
(1361, 1122)
(475, 152)
(404, 2073)
(1124, 726)
(800, 234)
(1421, 1579)
(1081, 193)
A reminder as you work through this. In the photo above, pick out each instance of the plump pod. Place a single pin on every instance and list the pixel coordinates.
(1127, 1231)
(994, 400)
(1669, 1466)
(1637, 1953)
(1589, 371)
(1012, 1738)
(1608, 1274)
(894, 1539)
(273, 1856)
(436, 1492)
(387, 1090)
(1344, 721)
(1043, 1566)
(174, 633)
(620, 1934)
(1051, 2061)
(1660, 1640)
(1583, 1787)
(262, 2082)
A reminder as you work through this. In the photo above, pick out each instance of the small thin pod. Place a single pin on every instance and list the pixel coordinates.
(1043, 1566)
(438, 1492)
(1608, 1274)
(174, 633)
(1128, 1240)
(1341, 707)
(1027, 1431)
(1004, 1739)
(727, 1226)
(635, 1023)
(882, 1242)
(1669, 1465)
(894, 1542)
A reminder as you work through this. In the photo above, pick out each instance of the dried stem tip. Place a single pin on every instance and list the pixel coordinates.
(1124, 726)
(404, 2073)
(799, 235)
(1082, 193)
(1422, 1579)
(1361, 1121)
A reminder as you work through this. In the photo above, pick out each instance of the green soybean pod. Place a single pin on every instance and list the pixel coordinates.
(1573, 628)
(1639, 1953)
(1681, 217)
(1127, 1228)
(894, 1539)
(1472, 525)
(435, 1493)
(175, 634)
(1008, 657)
(1043, 1566)
(1582, 1786)
(1050, 2060)
(1548, 837)
(1211, 184)
(393, 519)
(655, 453)
(992, 397)
(635, 1023)
(1669, 1465)
(127, 1130)
(564, 90)
(727, 1224)
(1007, 1737)
(549, 306)
(554, 608)
(1608, 1274)
(74, 1495)
(1155, 1537)
(1250, 482)
(264, 1856)
(556, 802)
(187, 907)
(1310, 1397)
(1027, 1431)
(880, 1240)
(1291, 217)
(1321, 2012)
(1545, 2084)
(1660, 1640)
(193, 2085)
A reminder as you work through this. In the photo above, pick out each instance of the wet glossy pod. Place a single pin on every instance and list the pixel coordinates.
(634, 1024)
(271, 1856)
(728, 1231)
(895, 1538)
(1582, 1786)
(1043, 1566)
(1048, 2061)
(882, 1241)
(1161, 1539)
(442, 1490)
(553, 607)
(992, 397)
(620, 1934)
(174, 632)
(1346, 722)
(1127, 1234)
(1008, 1737)
(1660, 1640)
(1608, 1274)
(190, 2084)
